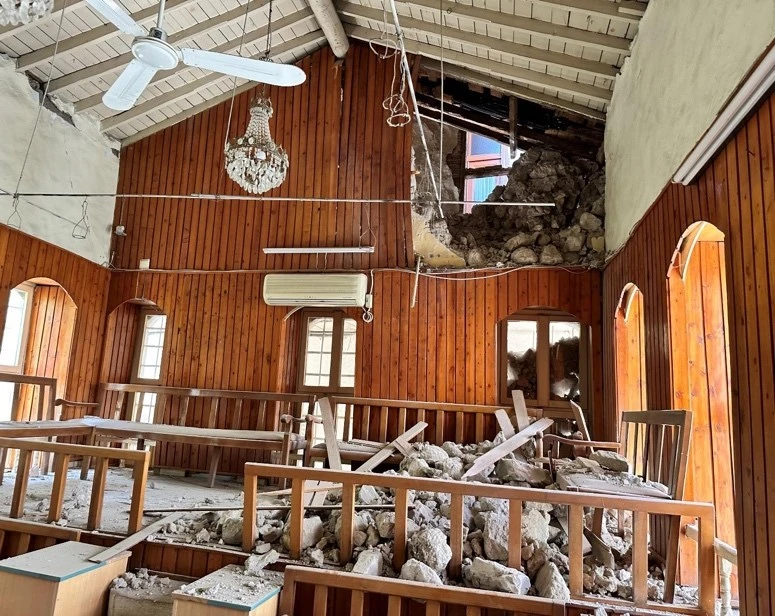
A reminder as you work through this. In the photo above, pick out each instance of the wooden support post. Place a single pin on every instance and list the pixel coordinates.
(20, 487)
(515, 533)
(356, 603)
(400, 529)
(139, 479)
(706, 561)
(320, 601)
(297, 516)
(86, 460)
(394, 606)
(61, 462)
(249, 513)
(433, 608)
(97, 493)
(347, 527)
(575, 549)
(215, 458)
(640, 549)
(513, 108)
(456, 536)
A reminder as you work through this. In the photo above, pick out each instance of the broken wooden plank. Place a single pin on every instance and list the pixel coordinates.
(134, 539)
(581, 421)
(507, 446)
(329, 433)
(504, 423)
(387, 450)
(520, 409)
(600, 549)
(581, 483)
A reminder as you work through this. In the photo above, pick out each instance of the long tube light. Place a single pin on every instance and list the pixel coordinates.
(747, 96)
(322, 250)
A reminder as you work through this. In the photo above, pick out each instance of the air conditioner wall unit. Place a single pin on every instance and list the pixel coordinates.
(315, 290)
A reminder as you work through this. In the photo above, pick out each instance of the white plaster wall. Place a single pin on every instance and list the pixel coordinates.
(688, 57)
(63, 159)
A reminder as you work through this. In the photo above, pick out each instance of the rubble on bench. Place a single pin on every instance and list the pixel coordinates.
(544, 559)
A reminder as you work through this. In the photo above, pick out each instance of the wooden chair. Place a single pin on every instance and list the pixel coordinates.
(656, 443)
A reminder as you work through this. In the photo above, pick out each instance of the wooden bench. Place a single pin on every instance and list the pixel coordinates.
(642, 510)
(214, 409)
(399, 594)
(366, 424)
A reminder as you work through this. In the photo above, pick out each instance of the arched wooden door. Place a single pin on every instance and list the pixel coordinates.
(630, 344)
(697, 293)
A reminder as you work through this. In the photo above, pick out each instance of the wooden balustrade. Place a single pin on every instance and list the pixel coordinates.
(63, 452)
(476, 602)
(374, 419)
(271, 405)
(642, 508)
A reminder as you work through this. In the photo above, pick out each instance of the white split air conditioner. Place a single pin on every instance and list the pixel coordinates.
(321, 290)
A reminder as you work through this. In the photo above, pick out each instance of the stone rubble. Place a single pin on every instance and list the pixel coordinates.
(544, 547)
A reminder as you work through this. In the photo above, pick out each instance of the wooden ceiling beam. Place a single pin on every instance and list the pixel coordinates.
(236, 15)
(629, 11)
(212, 102)
(59, 5)
(187, 90)
(28, 61)
(487, 80)
(489, 66)
(527, 25)
(294, 19)
(523, 52)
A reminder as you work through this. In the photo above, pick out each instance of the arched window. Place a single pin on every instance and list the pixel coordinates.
(630, 344)
(545, 353)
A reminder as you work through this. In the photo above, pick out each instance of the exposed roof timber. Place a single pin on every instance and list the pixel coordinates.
(331, 25)
(595, 40)
(626, 10)
(6, 31)
(489, 66)
(90, 37)
(505, 87)
(294, 19)
(212, 102)
(524, 52)
(88, 73)
(177, 94)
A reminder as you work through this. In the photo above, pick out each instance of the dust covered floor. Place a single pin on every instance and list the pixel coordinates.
(163, 491)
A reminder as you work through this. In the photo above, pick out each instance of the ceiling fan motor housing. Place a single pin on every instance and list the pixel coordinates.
(155, 51)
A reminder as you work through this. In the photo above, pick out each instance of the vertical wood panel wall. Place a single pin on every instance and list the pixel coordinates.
(736, 193)
(23, 257)
(52, 321)
(333, 128)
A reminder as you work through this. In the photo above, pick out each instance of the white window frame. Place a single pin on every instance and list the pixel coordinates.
(18, 368)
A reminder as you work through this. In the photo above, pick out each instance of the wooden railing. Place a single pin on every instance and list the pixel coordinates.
(226, 407)
(727, 557)
(641, 509)
(62, 453)
(476, 602)
(374, 419)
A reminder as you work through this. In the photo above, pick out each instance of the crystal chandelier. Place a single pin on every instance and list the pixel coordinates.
(254, 161)
(15, 12)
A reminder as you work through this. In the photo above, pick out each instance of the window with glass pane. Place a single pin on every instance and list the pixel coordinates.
(564, 360)
(317, 363)
(347, 369)
(521, 347)
(152, 345)
(13, 333)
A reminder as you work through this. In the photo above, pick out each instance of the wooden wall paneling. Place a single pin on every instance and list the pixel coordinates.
(735, 193)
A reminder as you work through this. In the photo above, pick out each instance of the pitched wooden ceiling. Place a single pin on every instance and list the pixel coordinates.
(561, 53)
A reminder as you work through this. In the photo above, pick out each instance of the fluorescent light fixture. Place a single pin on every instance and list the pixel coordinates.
(747, 96)
(314, 250)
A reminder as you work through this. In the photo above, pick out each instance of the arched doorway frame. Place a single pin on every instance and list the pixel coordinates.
(630, 348)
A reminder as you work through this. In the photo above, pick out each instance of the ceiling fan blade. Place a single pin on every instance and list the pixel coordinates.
(117, 15)
(275, 74)
(129, 86)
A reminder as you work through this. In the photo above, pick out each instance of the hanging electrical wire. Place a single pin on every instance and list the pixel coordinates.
(15, 207)
(82, 228)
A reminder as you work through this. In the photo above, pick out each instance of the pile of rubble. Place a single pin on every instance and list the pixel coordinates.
(544, 557)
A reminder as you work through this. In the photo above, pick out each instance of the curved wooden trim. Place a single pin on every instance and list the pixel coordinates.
(700, 231)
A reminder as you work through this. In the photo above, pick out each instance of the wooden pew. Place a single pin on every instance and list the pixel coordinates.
(399, 594)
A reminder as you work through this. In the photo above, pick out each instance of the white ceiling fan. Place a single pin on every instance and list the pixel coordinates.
(152, 53)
